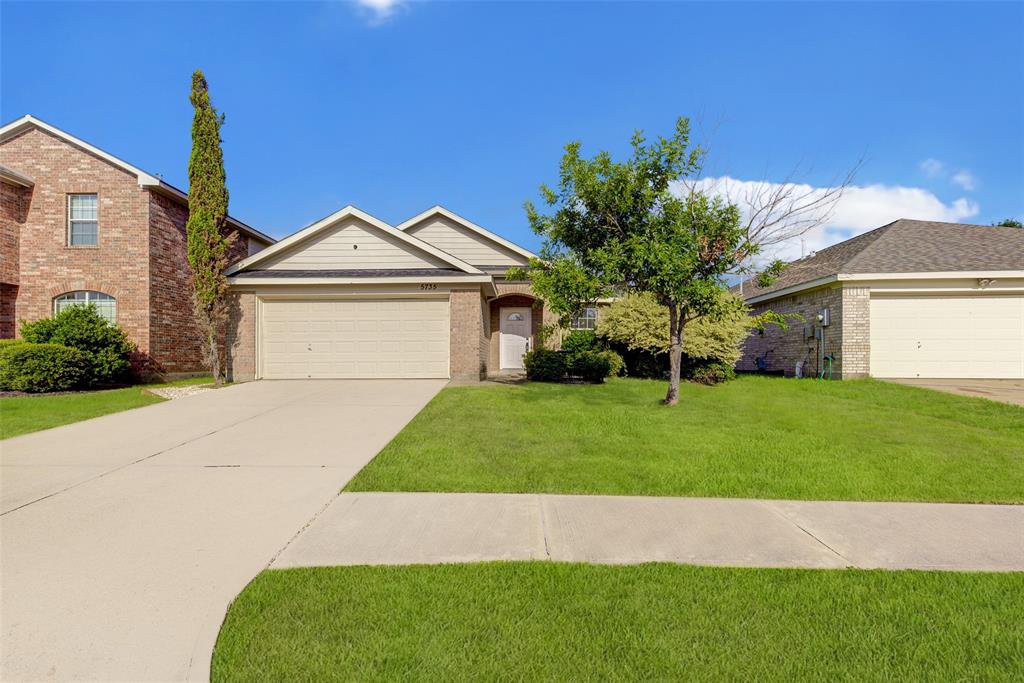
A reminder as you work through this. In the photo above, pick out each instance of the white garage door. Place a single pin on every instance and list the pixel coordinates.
(953, 337)
(355, 338)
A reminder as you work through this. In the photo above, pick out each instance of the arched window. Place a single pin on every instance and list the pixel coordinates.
(105, 304)
(515, 317)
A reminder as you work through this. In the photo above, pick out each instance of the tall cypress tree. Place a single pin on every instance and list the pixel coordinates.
(208, 242)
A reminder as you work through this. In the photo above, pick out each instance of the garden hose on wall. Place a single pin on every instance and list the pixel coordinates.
(828, 360)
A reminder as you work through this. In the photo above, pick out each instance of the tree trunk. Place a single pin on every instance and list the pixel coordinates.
(675, 353)
(214, 354)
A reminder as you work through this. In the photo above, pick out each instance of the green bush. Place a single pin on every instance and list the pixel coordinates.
(544, 365)
(591, 366)
(42, 367)
(637, 327)
(580, 340)
(618, 365)
(708, 372)
(105, 345)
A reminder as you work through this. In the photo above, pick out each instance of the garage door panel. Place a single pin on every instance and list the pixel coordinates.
(355, 338)
(947, 337)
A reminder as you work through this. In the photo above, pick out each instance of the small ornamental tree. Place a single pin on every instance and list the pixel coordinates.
(637, 322)
(208, 243)
(619, 227)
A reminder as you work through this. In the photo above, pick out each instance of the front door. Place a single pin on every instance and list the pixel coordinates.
(514, 339)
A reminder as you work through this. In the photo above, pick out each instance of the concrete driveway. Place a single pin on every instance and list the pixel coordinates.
(1005, 390)
(124, 538)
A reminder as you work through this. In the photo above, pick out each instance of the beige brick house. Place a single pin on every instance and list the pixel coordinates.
(909, 299)
(78, 225)
(353, 297)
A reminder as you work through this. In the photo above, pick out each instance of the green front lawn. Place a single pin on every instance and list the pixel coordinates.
(549, 621)
(24, 414)
(756, 437)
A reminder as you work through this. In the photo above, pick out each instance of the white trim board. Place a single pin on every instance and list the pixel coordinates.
(870, 277)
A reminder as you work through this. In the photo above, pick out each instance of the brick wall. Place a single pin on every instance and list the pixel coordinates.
(14, 202)
(468, 335)
(176, 345)
(785, 348)
(240, 340)
(118, 266)
(856, 332)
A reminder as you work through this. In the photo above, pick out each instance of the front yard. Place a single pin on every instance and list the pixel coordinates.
(548, 621)
(756, 437)
(24, 414)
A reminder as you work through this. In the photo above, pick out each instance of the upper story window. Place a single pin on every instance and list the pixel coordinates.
(105, 304)
(83, 220)
(584, 320)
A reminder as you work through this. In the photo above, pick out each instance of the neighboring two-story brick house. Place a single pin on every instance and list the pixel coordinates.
(80, 225)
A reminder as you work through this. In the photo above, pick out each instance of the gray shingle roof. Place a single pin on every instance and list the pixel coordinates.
(387, 272)
(907, 246)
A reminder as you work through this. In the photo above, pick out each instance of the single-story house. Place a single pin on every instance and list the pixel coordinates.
(908, 299)
(351, 296)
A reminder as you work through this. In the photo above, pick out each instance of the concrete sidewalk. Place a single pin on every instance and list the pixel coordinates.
(411, 528)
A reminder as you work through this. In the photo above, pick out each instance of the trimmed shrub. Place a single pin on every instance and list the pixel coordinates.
(637, 327)
(105, 345)
(544, 365)
(618, 365)
(591, 366)
(707, 372)
(578, 341)
(42, 367)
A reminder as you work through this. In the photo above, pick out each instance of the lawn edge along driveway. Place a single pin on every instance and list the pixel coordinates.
(26, 414)
(755, 437)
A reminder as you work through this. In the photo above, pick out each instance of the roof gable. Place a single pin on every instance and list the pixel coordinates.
(464, 239)
(146, 180)
(350, 239)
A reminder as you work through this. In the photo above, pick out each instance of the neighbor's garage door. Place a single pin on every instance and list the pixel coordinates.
(954, 337)
(354, 338)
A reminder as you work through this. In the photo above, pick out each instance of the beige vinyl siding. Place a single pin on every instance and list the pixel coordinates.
(355, 338)
(352, 245)
(464, 244)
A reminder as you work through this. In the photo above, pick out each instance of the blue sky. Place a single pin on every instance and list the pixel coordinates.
(396, 106)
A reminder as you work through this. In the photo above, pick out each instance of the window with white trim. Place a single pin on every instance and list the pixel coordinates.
(584, 320)
(83, 220)
(104, 304)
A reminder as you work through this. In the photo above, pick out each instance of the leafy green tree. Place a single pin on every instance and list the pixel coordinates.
(1009, 223)
(634, 226)
(208, 241)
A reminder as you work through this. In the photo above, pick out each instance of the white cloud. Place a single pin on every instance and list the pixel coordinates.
(379, 11)
(932, 168)
(965, 180)
(861, 208)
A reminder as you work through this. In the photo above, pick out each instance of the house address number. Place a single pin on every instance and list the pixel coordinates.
(428, 285)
